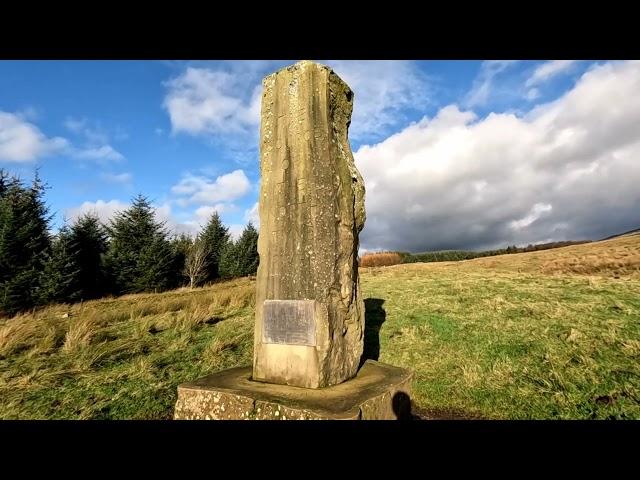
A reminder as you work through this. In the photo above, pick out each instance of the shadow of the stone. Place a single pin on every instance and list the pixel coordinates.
(404, 409)
(374, 317)
(401, 404)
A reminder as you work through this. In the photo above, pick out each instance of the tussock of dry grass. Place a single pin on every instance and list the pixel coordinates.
(81, 331)
(19, 332)
(121, 357)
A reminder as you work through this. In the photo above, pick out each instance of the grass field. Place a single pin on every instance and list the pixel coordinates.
(549, 334)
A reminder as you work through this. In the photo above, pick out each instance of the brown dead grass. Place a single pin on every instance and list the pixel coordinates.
(618, 257)
(615, 258)
(16, 334)
(380, 259)
(80, 333)
(71, 328)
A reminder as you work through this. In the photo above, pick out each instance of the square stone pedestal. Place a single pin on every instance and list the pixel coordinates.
(377, 392)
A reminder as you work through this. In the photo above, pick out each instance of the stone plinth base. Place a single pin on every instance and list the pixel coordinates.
(377, 392)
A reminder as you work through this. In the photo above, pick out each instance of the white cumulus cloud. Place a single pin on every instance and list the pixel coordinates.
(103, 153)
(545, 72)
(21, 141)
(235, 231)
(81, 127)
(567, 169)
(103, 210)
(203, 213)
(124, 177)
(548, 70)
(483, 85)
(96, 146)
(106, 211)
(382, 90)
(204, 190)
(536, 211)
(206, 101)
(253, 215)
(225, 101)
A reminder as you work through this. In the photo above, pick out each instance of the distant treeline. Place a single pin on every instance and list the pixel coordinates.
(87, 259)
(454, 255)
(635, 231)
(393, 258)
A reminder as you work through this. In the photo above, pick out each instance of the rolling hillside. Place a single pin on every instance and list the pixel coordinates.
(548, 334)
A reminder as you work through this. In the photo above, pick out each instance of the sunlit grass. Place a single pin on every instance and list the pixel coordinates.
(121, 358)
(549, 334)
(515, 336)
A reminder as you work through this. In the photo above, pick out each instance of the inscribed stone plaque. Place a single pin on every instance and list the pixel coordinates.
(289, 322)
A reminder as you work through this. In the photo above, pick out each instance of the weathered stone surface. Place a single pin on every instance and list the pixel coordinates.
(311, 212)
(377, 392)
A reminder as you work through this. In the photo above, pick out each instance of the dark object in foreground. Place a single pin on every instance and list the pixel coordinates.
(377, 392)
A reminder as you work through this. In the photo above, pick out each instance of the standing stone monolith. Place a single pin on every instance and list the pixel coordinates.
(309, 308)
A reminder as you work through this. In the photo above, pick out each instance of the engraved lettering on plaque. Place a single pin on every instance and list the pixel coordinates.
(289, 322)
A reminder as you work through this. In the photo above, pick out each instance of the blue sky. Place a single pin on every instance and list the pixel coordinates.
(455, 154)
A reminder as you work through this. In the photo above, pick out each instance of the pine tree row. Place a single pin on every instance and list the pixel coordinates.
(85, 260)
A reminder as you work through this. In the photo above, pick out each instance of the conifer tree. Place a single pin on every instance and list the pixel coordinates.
(240, 258)
(215, 237)
(140, 257)
(58, 280)
(5, 181)
(247, 251)
(229, 265)
(180, 244)
(88, 245)
(24, 242)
